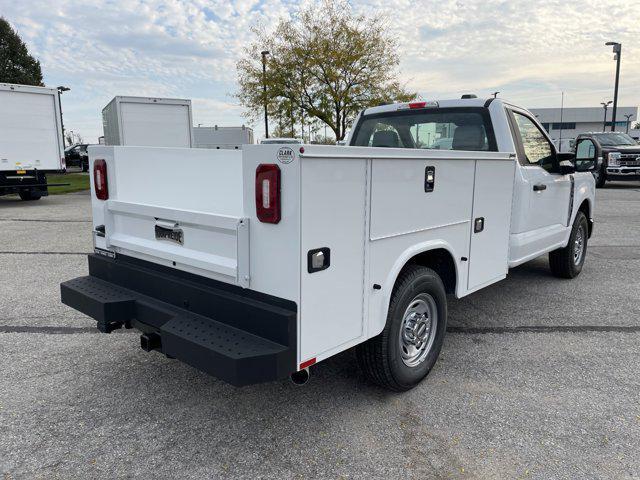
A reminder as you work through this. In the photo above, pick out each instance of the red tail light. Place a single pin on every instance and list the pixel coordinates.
(100, 179)
(268, 192)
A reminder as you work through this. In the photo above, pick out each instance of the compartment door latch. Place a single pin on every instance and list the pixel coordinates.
(429, 179)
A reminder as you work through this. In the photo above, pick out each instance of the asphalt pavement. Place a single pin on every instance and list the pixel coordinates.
(538, 378)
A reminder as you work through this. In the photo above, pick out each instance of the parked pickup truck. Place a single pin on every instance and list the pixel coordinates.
(618, 155)
(276, 257)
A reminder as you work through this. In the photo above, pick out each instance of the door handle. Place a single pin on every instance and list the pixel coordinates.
(538, 187)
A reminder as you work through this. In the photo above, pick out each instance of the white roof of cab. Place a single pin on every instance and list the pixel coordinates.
(458, 102)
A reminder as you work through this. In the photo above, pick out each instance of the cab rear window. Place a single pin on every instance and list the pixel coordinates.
(432, 129)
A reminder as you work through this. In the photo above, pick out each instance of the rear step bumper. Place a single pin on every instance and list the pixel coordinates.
(237, 335)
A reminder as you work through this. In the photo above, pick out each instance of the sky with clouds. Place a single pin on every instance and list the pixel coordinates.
(528, 50)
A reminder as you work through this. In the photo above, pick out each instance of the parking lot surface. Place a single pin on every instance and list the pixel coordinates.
(538, 378)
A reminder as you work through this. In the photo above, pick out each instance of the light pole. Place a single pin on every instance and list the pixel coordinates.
(495, 94)
(617, 50)
(62, 89)
(561, 114)
(605, 106)
(264, 54)
(628, 117)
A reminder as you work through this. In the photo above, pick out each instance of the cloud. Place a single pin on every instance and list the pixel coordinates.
(529, 51)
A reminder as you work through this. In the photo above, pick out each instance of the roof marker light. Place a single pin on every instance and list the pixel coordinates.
(417, 105)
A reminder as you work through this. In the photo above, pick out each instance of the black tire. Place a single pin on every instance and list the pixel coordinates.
(85, 166)
(600, 176)
(381, 357)
(29, 195)
(563, 261)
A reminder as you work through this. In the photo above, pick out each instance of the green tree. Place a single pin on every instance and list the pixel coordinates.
(326, 63)
(16, 65)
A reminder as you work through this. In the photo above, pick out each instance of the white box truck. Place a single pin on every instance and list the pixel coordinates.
(254, 270)
(146, 121)
(230, 138)
(31, 142)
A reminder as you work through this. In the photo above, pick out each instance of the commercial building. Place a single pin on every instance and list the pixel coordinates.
(565, 124)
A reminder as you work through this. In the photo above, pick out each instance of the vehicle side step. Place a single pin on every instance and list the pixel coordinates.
(110, 305)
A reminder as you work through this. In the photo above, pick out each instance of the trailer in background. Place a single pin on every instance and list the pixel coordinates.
(230, 138)
(144, 121)
(31, 142)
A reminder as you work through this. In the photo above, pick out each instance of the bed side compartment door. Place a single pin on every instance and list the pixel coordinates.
(333, 207)
(492, 199)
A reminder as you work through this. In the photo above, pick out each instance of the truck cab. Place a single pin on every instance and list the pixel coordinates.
(278, 256)
(618, 155)
(544, 179)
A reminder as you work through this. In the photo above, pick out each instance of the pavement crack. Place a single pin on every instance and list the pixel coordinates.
(44, 220)
(53, 330)
(47, 330)
(44, 253)
(547, 329)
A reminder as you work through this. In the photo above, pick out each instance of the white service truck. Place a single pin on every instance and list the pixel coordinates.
(276, 257)
(31, 142)
(148, 121)
(230, 138)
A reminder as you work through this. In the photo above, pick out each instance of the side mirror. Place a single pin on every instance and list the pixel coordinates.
(586, 155)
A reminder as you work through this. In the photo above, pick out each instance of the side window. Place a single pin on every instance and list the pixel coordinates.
(537, 148)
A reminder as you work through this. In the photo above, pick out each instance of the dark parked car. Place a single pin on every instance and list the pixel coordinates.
(77, 156)
(618, 155)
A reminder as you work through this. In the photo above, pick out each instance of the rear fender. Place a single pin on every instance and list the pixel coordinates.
(379, 319)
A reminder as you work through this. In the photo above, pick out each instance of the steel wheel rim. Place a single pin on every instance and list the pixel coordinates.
(578, 246)
(418, 330)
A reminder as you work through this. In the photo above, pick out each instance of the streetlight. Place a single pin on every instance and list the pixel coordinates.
(628, 117)
(495, 94)
(617, 49)
(61, 89)
(264, 54)
(561, 120)
(605, 106)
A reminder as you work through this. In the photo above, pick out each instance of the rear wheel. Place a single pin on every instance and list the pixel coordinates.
(28, 195)
(85, 166)
(408, 347)
(567, 262)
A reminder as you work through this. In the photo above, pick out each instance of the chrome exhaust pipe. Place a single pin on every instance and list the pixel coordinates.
(300, 377)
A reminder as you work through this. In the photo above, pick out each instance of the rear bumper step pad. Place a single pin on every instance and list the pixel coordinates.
(215, 347)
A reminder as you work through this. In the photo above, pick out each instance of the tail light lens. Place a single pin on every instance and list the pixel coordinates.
(414, 105)
(100, 179)
(268, 193)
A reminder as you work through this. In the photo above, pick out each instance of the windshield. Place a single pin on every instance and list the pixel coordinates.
(433, 129)
(614, 139)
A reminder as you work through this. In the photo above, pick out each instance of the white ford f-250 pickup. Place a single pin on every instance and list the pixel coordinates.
(253, 265)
